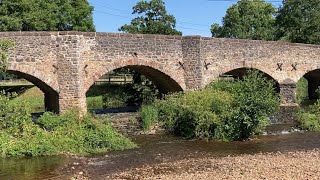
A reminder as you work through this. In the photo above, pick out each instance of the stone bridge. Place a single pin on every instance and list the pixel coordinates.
(65, 64)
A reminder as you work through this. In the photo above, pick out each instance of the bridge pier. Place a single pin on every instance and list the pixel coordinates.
(70, 74)
(77, 104)
(288, 94)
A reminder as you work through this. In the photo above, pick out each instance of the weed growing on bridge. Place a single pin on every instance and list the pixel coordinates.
(232, 110)
(53, 134)
(5, 45)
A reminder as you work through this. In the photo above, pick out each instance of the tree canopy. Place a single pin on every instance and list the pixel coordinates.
(247, 19)
(46, 15)
(153, 19)
(299, 21)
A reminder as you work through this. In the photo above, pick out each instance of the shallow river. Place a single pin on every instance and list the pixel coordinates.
(154, 149)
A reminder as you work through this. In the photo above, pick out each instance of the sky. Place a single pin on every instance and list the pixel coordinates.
(194, 17)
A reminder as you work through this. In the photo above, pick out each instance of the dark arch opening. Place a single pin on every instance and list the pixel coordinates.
(164, 83)
(240, 72)
(308, 87)
(51, 97)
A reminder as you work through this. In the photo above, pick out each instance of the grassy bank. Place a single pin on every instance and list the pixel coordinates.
(98, 96)
(54, 134)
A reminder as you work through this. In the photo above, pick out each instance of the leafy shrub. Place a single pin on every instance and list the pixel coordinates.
(149, 115)
(84, 135)
(302, 90)
(94, 102)
(55, 134)
(19, 136)
(142, 91)
(254, 100)
(194, 114)
(310, 119)
(115, 99)
(227, 110)
(107, 96)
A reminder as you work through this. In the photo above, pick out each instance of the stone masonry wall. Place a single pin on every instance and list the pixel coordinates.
(65, 64)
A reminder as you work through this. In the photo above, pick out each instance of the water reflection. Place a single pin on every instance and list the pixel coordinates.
(31, 168)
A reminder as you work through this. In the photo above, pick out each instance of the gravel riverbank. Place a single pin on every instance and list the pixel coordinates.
(291, 165)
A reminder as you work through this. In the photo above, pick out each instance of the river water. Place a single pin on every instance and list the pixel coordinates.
(153, 149)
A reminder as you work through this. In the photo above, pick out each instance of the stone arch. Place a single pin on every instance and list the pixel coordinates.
(49, 88)
(239, 72)
(166, 78)
(235, 67)
(35, 73)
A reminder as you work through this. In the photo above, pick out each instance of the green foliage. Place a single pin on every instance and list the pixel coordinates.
(302, 90)
(5, 45)
(84, 135)
(107, 96)
(149, 115)
(153, 20)
(94, 102)
(55, 134)
(32, 96)
(118, 99)
(194, 114)
(226, 110)
(41, 15)
(310, 119)
(299, 21)
(247, 19)
(141, 91)
(19, 136)
(254, 99)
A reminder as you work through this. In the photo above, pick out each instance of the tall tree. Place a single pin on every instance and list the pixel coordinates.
(46, 15)
(247, 19)
(153, 19)
(299, 21)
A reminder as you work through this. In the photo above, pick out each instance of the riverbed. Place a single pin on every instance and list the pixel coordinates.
(169, 157)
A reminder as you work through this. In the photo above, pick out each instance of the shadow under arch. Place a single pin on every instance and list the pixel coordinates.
(163, 81)
(239, 73)
(313, 78)
(51, 96)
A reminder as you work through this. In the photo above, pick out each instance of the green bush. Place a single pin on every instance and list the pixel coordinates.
(194, 114)
(226, 110)
(310, 119)
(94, 102)
(84, 135)
(255, 98)
(54, 134)
(107, 96)
(142, 90)
(114, 99)
(302, 90)
(149, 115)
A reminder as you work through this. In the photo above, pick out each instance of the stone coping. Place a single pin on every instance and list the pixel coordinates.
(150, 36)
